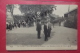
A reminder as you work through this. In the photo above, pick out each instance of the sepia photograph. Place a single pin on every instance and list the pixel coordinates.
(41, 27)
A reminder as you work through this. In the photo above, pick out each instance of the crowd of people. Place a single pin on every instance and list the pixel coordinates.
(11, 25)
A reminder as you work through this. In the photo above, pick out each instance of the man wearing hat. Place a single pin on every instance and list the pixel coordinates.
(45, 31)
(38, 29)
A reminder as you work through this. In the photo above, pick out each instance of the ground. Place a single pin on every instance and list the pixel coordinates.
(28, 36)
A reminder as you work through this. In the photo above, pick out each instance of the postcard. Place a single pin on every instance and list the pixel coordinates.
(41, 27)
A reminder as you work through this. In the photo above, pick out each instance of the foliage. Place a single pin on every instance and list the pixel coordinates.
(33, 9)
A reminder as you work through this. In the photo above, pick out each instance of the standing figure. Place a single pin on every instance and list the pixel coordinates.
(59, 22)
(24, 24)
(49, 29)
(19, 23)
(45, 31)
(38, 29)
(10, 26)
(15, 25)
(7, 25)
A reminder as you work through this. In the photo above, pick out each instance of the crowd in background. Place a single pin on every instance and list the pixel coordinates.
(11, 25)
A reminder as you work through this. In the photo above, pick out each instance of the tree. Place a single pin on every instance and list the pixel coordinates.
(33, 9)
(10, 8)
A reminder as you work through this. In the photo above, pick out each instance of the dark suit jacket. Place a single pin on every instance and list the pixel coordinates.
(38, 27)
(45, 29)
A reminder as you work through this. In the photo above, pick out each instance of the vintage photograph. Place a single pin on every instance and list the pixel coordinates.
(41, 27)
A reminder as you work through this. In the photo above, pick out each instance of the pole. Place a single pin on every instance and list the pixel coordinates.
(68, 9)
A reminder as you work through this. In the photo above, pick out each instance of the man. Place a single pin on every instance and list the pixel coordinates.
(10, 26)
(45, 31)
(59, 22)
(38, 29)
(19, 23)
(49, 29)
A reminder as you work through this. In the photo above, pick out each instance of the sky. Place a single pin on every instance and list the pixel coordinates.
(60, 9)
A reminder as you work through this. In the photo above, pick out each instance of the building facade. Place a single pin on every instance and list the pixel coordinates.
(71, 19)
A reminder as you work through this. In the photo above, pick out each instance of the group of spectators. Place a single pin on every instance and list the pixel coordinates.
(11, 25)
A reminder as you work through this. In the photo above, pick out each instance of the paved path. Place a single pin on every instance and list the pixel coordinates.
(28, 36)
(63, 36)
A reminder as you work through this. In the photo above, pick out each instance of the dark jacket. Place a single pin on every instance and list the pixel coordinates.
(45, 29)
(38, 27)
